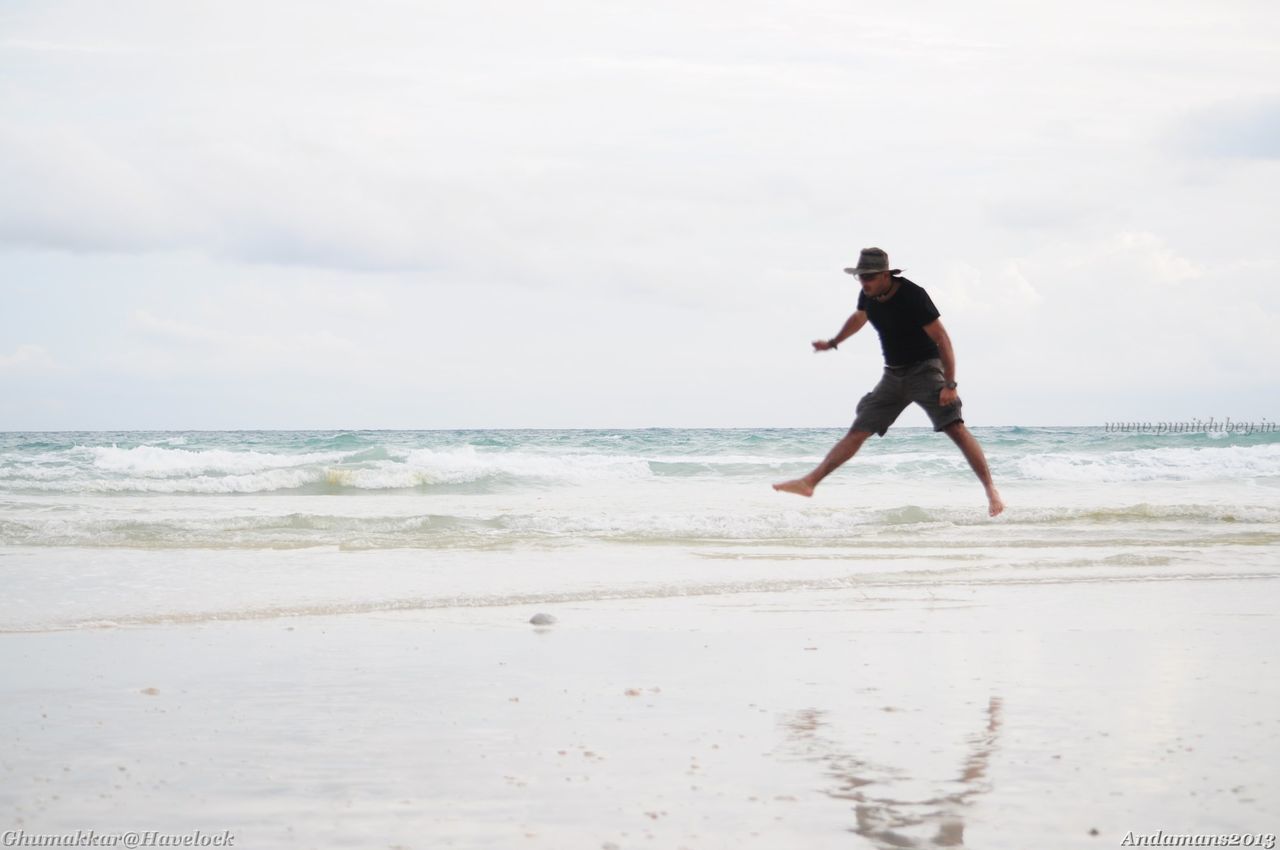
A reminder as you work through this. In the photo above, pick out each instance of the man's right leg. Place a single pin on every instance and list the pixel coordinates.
(876, 411)
(840, 452)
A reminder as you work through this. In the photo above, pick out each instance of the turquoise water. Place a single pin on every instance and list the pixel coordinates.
(156, 488)
(121, 526)
(349, 462)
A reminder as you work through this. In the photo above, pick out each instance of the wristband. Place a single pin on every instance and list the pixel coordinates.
(831, 343)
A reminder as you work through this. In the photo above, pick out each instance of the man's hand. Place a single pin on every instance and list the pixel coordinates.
(822, 345)
(948, 397)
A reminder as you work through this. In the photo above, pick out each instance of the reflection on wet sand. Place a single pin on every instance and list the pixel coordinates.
(883, 820)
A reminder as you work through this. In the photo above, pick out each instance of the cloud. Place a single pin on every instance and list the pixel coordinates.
(1048, 212)
(167, 347)
(35, 46)
(466, 141)
(66, 190)
(27, 358)
(1155, 259)
(1249, 130)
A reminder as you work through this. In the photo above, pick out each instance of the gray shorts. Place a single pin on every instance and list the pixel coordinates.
(920, 382)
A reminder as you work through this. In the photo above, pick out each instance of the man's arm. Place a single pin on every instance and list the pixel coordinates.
(938, 334)
(851, 326)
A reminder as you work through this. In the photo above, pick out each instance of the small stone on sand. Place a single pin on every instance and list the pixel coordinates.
(542, 620)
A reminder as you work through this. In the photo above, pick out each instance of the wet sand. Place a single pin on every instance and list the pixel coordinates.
(1039, 714)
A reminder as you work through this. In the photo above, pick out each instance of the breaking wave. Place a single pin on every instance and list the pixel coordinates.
(487, 464)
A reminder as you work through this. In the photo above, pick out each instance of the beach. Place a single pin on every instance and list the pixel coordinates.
(1009, 715)
(728, 667)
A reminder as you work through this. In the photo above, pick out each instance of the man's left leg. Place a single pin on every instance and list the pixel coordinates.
(977, 462)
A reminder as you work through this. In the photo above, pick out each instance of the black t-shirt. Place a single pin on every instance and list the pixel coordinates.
(900, 322)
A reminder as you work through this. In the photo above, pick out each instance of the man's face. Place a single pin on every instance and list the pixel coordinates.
(875, 284)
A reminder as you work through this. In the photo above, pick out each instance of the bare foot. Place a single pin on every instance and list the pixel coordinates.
(800, 487)
(995, 505)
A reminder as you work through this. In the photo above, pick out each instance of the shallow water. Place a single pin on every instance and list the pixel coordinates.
(133, 526)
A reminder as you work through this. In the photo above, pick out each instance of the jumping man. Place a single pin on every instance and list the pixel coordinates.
(920, 366)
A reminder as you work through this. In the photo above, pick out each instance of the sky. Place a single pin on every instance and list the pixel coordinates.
(564, 214)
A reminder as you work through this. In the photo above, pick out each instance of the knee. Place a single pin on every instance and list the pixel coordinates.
(857, 437)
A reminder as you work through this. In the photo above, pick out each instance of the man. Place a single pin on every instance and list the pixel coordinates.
(920, 367)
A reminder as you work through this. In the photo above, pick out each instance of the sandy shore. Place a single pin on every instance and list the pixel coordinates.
(1020, 715)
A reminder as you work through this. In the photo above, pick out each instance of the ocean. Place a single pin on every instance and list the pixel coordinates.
(100, 528)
